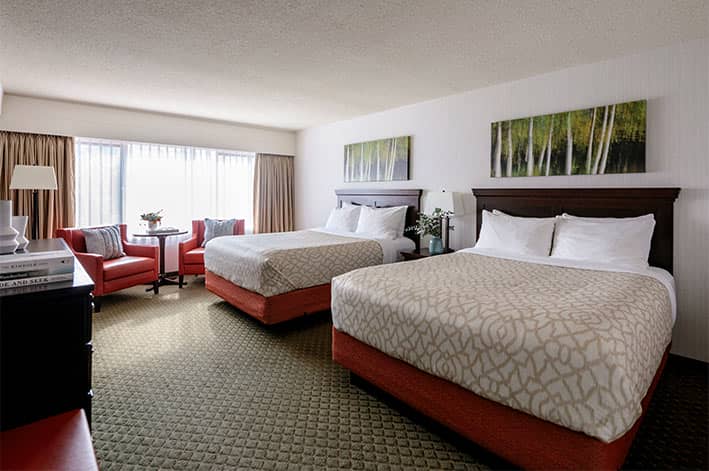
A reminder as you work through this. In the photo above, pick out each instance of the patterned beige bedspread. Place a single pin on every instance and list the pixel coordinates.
(576, 347)
(272, 264)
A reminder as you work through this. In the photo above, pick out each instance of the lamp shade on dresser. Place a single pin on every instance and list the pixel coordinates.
(34, 178)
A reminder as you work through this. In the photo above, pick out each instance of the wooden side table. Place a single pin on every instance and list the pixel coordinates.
(161, 236)
(420, 253)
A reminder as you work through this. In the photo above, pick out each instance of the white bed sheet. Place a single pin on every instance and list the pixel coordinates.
(391, 248)
(663, 276)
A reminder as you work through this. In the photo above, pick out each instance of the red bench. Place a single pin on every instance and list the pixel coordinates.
(59, 443)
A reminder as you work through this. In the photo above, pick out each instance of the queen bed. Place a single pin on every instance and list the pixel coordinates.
(551, 364)
(280, 276)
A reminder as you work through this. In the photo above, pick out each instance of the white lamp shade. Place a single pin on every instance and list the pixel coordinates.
(445, 200)
(33, 177)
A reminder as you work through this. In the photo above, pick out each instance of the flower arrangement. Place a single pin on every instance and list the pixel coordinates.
(152, 217)
(430, 224)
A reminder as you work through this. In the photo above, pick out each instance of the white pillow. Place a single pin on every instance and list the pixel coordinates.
(623, 241)
(343, 219)
(387, 223)
(581, 218)
(522, 236)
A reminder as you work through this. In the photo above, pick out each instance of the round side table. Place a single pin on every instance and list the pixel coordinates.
(161, 236)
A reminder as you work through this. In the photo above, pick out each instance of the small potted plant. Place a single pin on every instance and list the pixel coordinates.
(153, 219)
(431, 225)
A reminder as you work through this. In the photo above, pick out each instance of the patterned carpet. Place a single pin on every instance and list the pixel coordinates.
(185, 381)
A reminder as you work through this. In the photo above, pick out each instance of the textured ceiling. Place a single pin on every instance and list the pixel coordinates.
(293, 64)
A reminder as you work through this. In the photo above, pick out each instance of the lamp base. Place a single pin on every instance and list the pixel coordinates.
(445, 232)
(8, 235)
(35, 214)
(20, 225)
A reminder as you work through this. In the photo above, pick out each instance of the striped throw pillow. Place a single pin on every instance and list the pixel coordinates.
(214, 228)
(104, 241)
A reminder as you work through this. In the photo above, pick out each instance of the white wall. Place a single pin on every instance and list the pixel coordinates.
(451, 150)
(73, 119)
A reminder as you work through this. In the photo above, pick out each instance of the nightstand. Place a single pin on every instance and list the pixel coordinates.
(420, 253)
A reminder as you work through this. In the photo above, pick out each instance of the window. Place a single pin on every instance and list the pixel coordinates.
(118, 181)
(99, 193)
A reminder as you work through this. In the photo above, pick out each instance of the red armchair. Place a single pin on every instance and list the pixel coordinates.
(191, 252)
(139, 266)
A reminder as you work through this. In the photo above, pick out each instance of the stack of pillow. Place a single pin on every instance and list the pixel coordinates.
(381, 223)
(620, 241)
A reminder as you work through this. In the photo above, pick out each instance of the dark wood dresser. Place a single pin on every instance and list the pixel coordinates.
(45, 347)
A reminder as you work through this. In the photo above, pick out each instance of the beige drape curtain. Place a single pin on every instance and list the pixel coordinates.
(56, 207)
(273, 193)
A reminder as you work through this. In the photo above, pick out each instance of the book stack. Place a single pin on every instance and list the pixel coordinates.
(48, 264)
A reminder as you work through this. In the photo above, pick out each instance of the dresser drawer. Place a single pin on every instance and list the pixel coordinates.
(45, 384)
(63, 323)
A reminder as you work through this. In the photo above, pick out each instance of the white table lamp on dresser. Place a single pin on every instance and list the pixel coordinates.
(34, 177)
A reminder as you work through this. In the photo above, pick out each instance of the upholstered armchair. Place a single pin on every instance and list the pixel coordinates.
(138, 266)
(191, 252)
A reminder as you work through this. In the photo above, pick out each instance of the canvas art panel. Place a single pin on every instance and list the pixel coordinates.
(383, 160)
(593, 141)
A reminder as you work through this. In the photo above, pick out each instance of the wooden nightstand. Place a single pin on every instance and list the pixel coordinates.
(420, 253)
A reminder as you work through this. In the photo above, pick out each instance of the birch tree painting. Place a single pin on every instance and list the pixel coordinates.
(595, 141)
(377, 161)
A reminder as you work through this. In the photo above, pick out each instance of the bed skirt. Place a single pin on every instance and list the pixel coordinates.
(520, 438)
(272, 309)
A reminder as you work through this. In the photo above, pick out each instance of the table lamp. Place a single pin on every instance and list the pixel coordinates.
(35, 178)
(445, 201)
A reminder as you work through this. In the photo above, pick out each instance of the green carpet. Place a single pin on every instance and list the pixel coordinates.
(185, 381)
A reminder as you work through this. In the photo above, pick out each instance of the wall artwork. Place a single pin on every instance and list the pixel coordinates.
(594, 141)
(384, 160)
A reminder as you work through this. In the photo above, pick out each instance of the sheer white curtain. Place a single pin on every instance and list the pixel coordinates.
(119, 181)
(98, 180)
(188, 183)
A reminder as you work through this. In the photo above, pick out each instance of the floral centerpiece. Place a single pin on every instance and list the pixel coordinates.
(153, 219)
(431, 225)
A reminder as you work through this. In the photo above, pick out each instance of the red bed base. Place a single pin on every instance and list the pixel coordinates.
(520, 438)
(272, 309)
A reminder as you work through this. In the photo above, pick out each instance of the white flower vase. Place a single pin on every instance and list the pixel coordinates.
(20, 225)
(8, 235)
(153, 226)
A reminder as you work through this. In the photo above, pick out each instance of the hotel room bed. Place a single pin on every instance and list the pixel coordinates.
(272, 264)
(276, 277)
(550, 364)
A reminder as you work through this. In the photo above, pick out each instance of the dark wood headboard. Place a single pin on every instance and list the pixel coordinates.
(384, 199)
(590, 202)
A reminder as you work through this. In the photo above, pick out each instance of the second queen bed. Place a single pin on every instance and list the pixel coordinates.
(280, 276)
